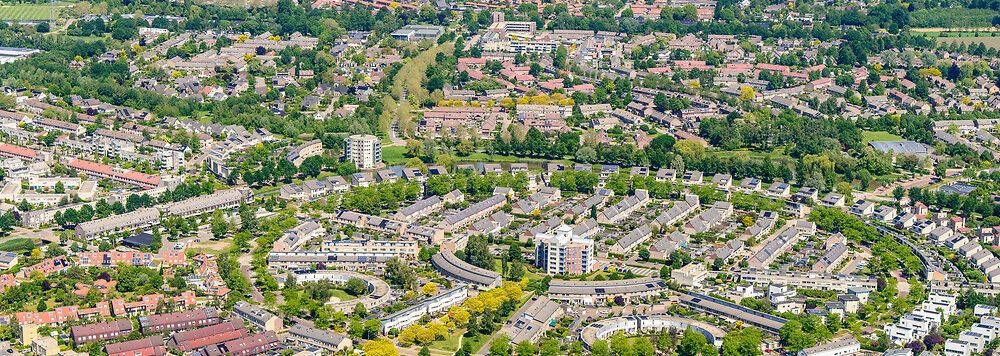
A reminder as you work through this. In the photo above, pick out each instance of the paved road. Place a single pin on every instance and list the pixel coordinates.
(244, 261)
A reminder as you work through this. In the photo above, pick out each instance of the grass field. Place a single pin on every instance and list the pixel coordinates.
(869, 136)
(17, 245)
(393, 155)
(778, 153)
(450, 344)
(30, 12)
(342, 295)
(992, 42)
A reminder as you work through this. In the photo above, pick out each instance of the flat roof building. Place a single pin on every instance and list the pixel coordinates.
(414, 33)
(434, 304)
(561, 252)
(364, 150)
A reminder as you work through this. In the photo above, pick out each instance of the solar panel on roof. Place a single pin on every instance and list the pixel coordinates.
(599, 290)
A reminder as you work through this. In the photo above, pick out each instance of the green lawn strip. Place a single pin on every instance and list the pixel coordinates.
(870, 136)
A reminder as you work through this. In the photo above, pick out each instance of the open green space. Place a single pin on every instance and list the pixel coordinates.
(870, 136)
(342, 295)
(31, 12)
(394, 155)
(449, 345)
(17, 245)
(992, 42)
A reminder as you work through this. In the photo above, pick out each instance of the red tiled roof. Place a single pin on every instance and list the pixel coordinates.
(152, 345)
(18, 151)
(121, 174)
(210, 335)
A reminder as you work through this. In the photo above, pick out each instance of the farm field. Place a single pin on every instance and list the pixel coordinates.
(992, 42)
(32, 12)
(989, 36)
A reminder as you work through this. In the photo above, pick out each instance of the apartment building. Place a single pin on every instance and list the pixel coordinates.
(82, 334)
(305, 336)
(403, 249)
(178, 321)
(131, 221)
(257, 316)
(434, 304)
(303, 151)
(221, 200)
(364, 150)
(561, 252)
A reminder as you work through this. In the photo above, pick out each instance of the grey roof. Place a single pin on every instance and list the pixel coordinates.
(532, 319)
(583, 227)
(256, 314)
(322, 336)
(7, 257)
(821, 349)
(447, 263)
(832, 255)
(419, 205)
(583, 288)
(903, 147)
(635, 237)
(475, 208)
(717, 306)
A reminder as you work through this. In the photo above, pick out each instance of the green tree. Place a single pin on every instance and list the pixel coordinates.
(600, 348)
(399, 273)
(559, 57)
(312, 166)
(742, 342)
(525, 348)
(356, 287)
(500, 346)
(643, 347)
(477, 253)
(692, 343)
(793, 337)
(219, 225)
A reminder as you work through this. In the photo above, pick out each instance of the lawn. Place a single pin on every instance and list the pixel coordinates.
(17, 245)
(342, 295)
(394, 155)
(777, 153)
(869, 136)
(210, 247)
(31, 12)
(451, 343)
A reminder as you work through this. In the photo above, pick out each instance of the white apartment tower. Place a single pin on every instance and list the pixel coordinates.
(364, 150)
(563, 253)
